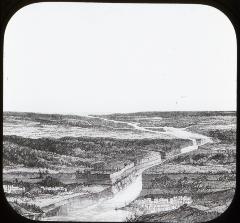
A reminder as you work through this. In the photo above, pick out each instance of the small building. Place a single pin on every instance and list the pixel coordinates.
(13, 189)
(53, 189)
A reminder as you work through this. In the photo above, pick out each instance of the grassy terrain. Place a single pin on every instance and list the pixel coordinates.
(33, 125)
(177, 119)
(184, 214)
(207, 175)
(204, 174)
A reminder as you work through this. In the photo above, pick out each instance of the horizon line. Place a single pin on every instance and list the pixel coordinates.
(112, 113)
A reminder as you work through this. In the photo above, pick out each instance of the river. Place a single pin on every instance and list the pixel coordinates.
(105, 209)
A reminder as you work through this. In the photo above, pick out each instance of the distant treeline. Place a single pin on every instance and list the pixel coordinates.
(170, 114)
(65, 151)
(166, 114)
(66, 145)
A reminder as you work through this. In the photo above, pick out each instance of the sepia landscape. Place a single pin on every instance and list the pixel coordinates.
(144, 166)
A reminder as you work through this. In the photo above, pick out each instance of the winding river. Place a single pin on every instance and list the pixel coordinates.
(105, 207)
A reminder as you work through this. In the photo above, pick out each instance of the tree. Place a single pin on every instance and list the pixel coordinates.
(40, 174)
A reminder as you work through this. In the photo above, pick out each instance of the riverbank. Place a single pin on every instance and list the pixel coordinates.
(191, 164)
(206, 175)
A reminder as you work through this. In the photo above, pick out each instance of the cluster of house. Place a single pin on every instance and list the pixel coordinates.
(53, 189)
(11, 189)
(162, 204)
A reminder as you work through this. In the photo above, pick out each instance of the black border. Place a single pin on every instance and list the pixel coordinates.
(231, 8)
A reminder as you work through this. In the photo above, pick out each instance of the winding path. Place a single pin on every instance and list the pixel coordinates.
(175, 132)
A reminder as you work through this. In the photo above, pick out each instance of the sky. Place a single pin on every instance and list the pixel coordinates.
(79, 58)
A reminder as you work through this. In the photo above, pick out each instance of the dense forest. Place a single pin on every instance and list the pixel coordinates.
(69, 151)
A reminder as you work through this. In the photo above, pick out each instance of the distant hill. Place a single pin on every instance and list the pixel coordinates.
(169, 114)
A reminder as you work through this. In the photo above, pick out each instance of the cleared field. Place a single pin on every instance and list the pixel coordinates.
(48, 150)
